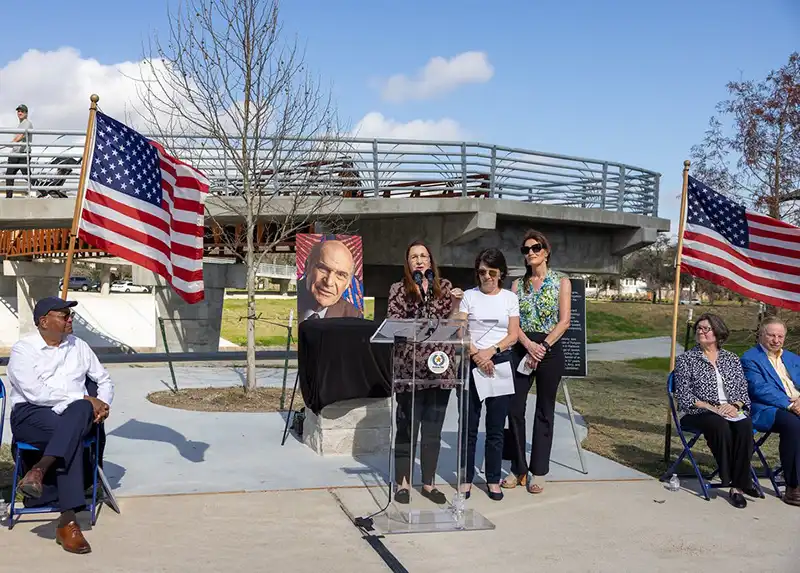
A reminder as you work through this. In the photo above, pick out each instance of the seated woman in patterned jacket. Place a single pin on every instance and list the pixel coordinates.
(711, 391)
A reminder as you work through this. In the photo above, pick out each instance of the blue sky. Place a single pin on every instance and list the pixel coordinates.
(623, 80)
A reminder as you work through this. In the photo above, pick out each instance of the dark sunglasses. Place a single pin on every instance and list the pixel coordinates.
(491, 272)
(65, 314)
(537, 248)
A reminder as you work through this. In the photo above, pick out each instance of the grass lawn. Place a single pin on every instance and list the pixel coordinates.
(268, 312)
(607, 321)
(624, 404)
(6, 472)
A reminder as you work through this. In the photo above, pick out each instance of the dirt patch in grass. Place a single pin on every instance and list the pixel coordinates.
(231, 399)
(626, 410)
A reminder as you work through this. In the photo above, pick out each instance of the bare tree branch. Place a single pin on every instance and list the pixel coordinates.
(752, 147)
(225, 93)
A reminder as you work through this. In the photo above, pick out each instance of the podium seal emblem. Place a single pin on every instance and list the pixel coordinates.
(438, 362)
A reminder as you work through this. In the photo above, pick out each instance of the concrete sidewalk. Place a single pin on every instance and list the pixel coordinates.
(658, 347)
(158, 450)
(572, 527)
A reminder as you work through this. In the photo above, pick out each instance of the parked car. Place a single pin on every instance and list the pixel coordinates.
(128, 286)
(80, 283)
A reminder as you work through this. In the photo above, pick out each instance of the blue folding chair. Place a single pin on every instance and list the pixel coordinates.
(705, 482)
(90, 442)
(2, 409)
(772, 474)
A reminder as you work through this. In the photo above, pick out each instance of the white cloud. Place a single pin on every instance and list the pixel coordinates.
(374, 124)
(56, 86)
(439, 76)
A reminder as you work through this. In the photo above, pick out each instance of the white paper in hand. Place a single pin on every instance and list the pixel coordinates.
(523, 367)
(501, 383)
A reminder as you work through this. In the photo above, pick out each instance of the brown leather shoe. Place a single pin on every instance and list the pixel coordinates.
(71, 539)
(792, 496)
(31, 484)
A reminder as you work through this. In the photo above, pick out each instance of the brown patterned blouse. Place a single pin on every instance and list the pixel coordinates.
(402, 306)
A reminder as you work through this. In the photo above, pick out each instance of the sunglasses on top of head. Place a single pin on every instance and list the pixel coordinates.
(537, 248)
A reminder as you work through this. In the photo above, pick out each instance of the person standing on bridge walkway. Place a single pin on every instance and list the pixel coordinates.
(544, 313)
(53, 411)
(21, 152)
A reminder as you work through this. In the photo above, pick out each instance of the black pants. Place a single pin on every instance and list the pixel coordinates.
(430, 406)
(730, 442)
(60, 436)
(547, 376)
(496, 413)
(787, 424)
(14, 159)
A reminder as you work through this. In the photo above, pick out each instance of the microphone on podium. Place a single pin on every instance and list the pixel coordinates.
(417, 276)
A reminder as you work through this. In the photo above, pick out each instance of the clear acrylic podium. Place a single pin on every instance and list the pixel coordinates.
(430, 393)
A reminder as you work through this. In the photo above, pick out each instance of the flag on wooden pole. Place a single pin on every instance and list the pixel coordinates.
(145, 206)
(749, 253)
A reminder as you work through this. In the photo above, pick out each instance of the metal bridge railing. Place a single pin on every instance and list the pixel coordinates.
(276, 271)
(368, 168)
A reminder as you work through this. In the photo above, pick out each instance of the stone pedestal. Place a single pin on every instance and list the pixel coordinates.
(351, 427)
(34, 281)
(192, 327)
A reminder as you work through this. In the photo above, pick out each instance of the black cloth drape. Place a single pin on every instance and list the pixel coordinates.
(336, 361)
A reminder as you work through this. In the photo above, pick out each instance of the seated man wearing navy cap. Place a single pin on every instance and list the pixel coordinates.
(52, 411)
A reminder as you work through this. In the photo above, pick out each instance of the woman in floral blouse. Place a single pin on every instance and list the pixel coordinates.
(544, 314)
(711, 391)
(430, 398)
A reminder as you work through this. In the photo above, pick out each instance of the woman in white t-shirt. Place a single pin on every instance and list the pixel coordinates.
(490, 345)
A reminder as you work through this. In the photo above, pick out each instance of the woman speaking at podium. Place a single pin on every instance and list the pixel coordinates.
(421, 294)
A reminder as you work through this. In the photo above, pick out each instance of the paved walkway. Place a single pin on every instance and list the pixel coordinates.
(658, 347)
(600, 527)
(153, 449)
(157, 450)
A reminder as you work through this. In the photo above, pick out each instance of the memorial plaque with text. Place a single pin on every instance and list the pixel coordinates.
(574, 340)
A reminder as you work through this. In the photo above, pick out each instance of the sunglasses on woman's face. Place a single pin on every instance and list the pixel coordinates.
(490, 272)
(537, 248)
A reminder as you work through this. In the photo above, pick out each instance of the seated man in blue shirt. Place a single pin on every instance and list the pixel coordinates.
(773, 377)
(51, 410)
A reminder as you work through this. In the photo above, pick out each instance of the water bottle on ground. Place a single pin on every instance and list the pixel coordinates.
(3, 510)
(674, 483)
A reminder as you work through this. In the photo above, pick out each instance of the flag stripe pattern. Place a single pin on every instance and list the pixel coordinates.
(749, 253)
(145, 206)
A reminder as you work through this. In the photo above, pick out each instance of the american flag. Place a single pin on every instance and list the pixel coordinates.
(749, 253)
(144, 206)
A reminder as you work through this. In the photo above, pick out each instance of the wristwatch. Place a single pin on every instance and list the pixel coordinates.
(497, 350)
(546, 345)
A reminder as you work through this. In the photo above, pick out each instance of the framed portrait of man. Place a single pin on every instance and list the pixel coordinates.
(330, 281)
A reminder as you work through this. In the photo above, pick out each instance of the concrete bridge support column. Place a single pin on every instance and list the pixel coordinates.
(105, 280)
(283, 285)
(192, 327)
(34, 281)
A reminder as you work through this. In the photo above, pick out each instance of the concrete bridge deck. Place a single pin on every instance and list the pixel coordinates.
(454, 224)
